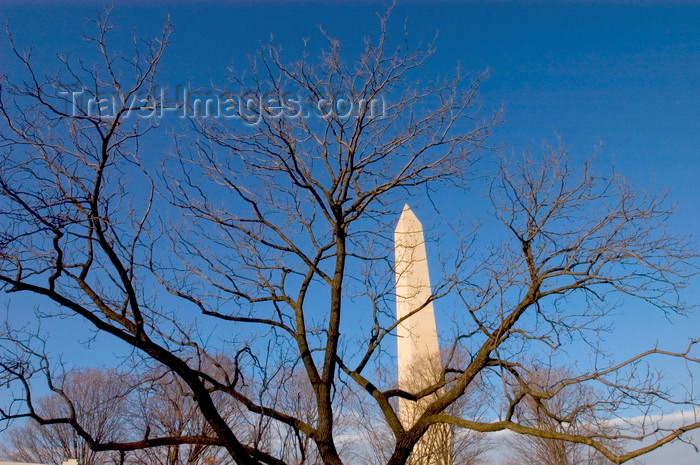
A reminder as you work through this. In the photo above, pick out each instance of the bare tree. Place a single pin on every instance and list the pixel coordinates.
(95, 398)
(571, 410)
(266, 238)
(163, 407)
(111, 406)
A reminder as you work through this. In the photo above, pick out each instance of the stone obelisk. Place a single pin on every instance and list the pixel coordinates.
(418, 349)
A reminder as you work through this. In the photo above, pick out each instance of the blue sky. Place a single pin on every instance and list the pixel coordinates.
(623, 75)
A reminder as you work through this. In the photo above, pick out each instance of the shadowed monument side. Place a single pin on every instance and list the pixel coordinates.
(418, 351)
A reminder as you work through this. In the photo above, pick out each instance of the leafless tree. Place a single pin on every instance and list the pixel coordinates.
(110, 406)
(95, 398)
(571, 410)
(163, 407)
(266, 237)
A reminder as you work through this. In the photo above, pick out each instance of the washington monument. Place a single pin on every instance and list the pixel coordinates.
(418, 350)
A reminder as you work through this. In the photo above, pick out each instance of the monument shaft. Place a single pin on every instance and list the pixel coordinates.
(418, 349)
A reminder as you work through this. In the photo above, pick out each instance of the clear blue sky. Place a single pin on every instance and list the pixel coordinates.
(626, 75)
